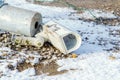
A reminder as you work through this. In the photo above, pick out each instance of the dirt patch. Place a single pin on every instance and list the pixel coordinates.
(109, 5)
(50, 68)
(105, 21)
(97, 4)
(112, 6)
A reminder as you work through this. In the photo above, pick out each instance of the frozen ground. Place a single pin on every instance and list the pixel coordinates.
(99, 55)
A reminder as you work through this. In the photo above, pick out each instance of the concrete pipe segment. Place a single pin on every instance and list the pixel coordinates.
(19, 20)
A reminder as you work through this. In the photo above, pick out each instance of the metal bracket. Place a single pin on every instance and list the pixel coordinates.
(2, 3)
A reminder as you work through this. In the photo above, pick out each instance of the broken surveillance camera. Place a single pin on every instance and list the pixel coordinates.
(62, 38)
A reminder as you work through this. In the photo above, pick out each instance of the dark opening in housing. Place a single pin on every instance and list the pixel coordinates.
(70, 41)
(36, 25)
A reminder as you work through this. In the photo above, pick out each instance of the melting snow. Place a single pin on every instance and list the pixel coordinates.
(93, 62)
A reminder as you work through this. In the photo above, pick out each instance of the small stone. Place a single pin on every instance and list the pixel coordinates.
(48, 49)
(59, 55)
(45, 53)
(11, 67)
(51, 50)
(49, 57)
(6, 45)
(112, 57)
(4, 54)
(1, 38)
(8, 39)
(1, 44)
(59, 58)
(57, 52)
(32, 64)
(54, 57)
(74, 55)
(50, 53)
(27, 61)
(17, 48)
(43, 49)
(44, 57)
(4, 35)
(112, 11)
(62, 55)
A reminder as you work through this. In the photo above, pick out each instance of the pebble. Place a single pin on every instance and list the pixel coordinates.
(1, 44)
(1, 38)
(48, 49)
(57, 51)
(49, 57)
(11, 67)
(74, 55)
(50, 53)
(44, 57)
(4, 35)
(18, 46)
(43, 49)
(59, 54)
(112, 57)
(27, 61)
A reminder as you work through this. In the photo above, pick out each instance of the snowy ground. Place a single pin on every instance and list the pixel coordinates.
(95, 60)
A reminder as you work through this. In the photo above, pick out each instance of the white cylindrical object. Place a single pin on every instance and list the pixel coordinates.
(19, 20)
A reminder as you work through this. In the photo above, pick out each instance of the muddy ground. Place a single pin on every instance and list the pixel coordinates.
(109, 5)
(112, 6)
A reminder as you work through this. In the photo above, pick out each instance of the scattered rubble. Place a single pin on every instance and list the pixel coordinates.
(22, 57)
(46, 52)
(107, 5)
